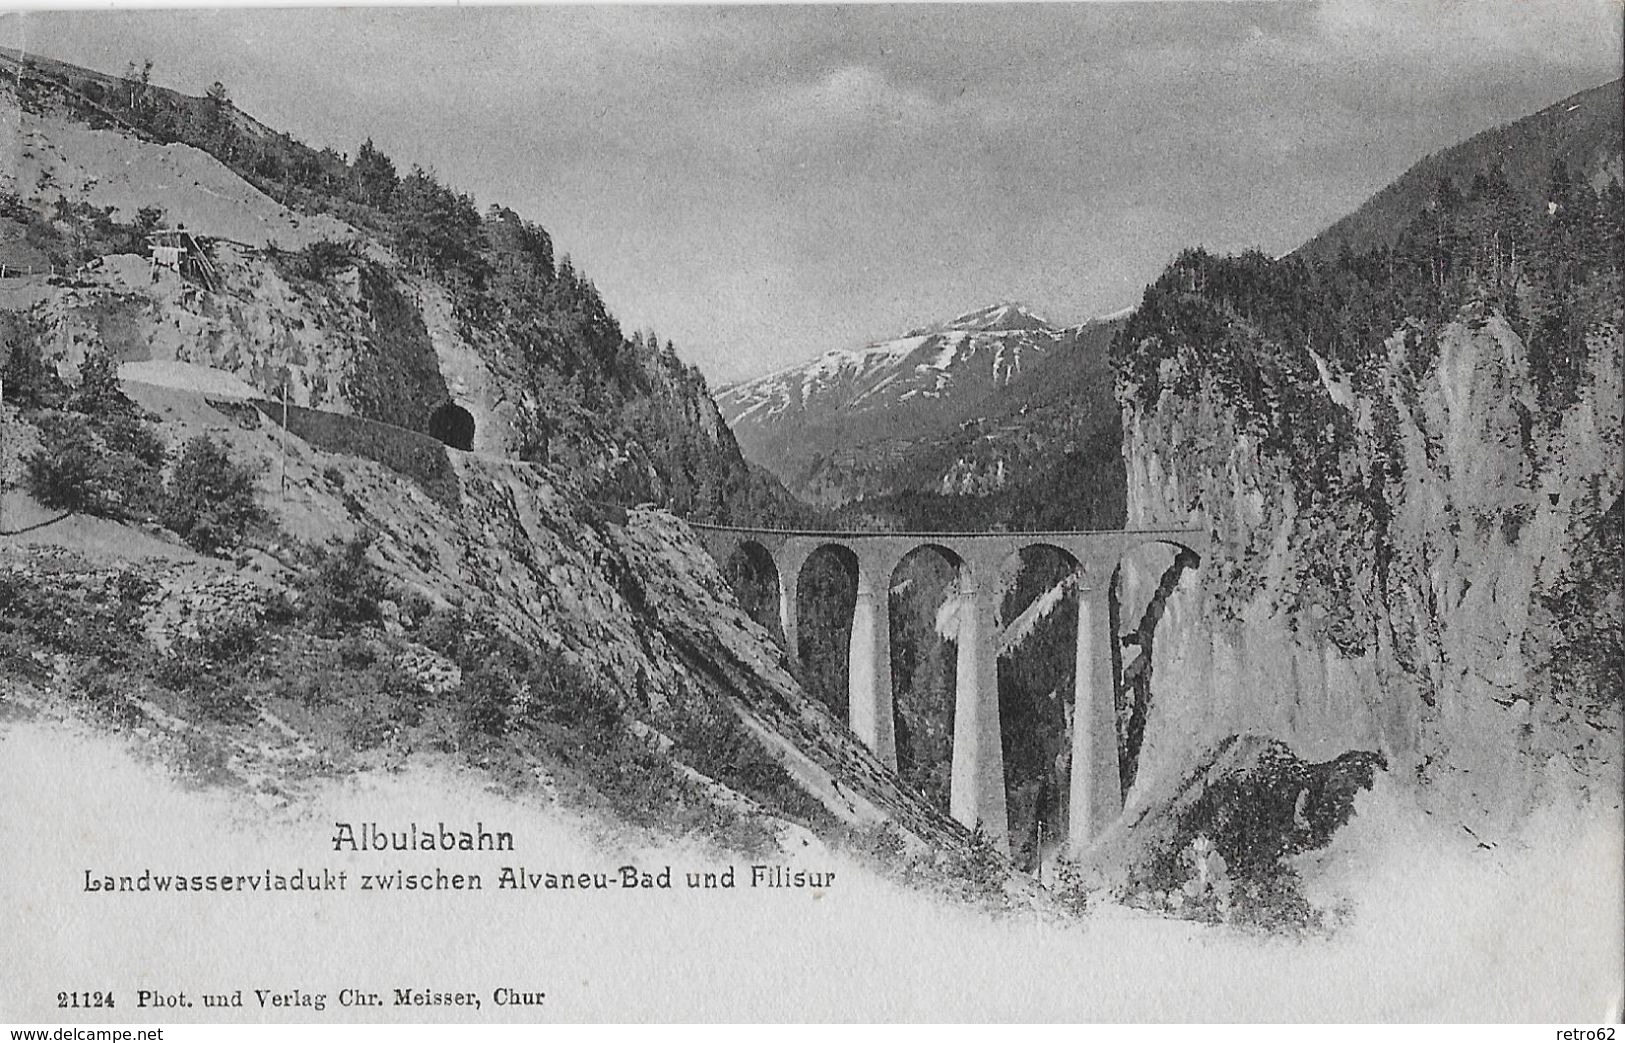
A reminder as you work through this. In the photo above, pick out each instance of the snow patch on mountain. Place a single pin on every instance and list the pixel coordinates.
(816, 426)
(1002, 317)
(981, 349)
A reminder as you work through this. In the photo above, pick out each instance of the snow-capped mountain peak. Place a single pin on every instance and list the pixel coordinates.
(892, 383)
(1003, 317)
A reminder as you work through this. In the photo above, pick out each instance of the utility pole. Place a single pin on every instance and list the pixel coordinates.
(284, 441)
(3, 467)
(1040, 846)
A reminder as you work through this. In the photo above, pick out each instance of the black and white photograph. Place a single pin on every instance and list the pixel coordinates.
(770, 513)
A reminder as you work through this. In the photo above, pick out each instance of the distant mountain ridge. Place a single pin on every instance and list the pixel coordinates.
(855, 423)
(1042, 452)
(1584, 131)
(1001, 317)
(987, 344)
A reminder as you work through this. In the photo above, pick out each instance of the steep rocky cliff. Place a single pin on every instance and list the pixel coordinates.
(1410, 465)
(1419, 633)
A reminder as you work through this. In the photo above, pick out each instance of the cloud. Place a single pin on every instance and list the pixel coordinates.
(853, 99)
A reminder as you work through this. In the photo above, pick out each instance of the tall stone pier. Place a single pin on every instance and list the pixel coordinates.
(976, 790)
(1095, 793)
(869, 687)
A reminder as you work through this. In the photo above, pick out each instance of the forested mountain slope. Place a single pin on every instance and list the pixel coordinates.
(1584, 132)
(360, 288)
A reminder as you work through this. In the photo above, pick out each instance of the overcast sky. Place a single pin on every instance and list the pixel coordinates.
(762, 184)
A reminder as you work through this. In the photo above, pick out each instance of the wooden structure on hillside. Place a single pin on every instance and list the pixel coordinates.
(183, 253)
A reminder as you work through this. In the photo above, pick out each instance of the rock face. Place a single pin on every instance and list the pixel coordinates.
(1397, 608)
(1215, 842)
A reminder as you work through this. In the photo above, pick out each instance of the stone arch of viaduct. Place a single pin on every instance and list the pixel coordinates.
(1094, 795)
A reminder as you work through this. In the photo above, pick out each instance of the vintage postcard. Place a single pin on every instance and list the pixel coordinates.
(881, 513)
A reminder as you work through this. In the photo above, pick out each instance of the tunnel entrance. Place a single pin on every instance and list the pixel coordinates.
(453, 425)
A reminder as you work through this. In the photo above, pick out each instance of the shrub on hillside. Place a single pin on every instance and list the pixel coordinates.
(209, 660)
(210, 500)
(322, 259)
(99, 393)
(486, 703)
(415, 608)
(343, 588)
(133, 489)
(564, 691)
(135, 437)
(1073, 886)
(357, 652)
(108, 466)
(133, 587)
(229, 637)
(978, 869)
(443, 629)
(30, 381)
(63, 616)
(713, 740)
(230, 701)
(66, 472)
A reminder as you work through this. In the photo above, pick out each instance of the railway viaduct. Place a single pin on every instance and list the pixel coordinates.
(1094, 795)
